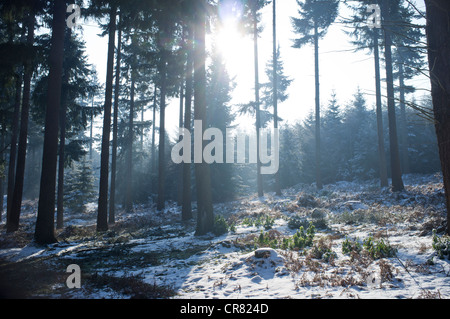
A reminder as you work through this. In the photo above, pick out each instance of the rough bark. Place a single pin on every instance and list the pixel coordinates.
(112, 195)
(259, 181)
(16, 201)
(102, 216)
(380, 129)
(205, 214)
(317, 133)
(396, 171)
(45, 232)
(438, 33)
(186, 209)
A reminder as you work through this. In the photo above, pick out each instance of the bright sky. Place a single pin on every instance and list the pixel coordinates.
(341, 69)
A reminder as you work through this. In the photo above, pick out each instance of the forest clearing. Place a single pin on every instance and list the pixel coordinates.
(224, 149)
(150, 254)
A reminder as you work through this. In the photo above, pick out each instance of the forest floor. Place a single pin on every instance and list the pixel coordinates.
(368, 243)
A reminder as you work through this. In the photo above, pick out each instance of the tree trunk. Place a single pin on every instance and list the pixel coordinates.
(162, 132)
(154, 132)
(397, 181)
(403, 123)
(16, 202)
(205, 214)
(180, 167)
(275, 89)
(13, 148)
(129, 178)
(112, 195)
(257, 101)
(380, 129)
(62, 144)
(186, 209)
(2, 159)
(317, 133)
(438, 33)
(102, 217)
(45, 232)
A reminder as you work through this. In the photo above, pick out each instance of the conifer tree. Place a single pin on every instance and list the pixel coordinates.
(316, 16)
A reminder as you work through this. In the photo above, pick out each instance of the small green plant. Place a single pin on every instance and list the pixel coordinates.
(261, 221)
(441, 245)
(221, 226)
(350, 245)
(322, 250)
(267, 240)
(300, 239)
(378, 248)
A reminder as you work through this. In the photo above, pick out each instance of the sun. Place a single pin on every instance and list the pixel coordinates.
(234, 47)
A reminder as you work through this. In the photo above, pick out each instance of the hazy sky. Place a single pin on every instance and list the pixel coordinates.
(341, 69)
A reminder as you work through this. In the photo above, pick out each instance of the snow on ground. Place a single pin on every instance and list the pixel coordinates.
(149, 249)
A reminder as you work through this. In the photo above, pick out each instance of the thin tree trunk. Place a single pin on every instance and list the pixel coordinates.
(102, 217)
(112, 195)
(13, 148)
(45, 232)
(275, 89)
(62, 144)
(16, 202)
(14, 127)
(205, 213)
(129, 178)
(403, 123)
(438, 33)
(257, 101)
(381, 148)
(317, 133)
(397, 181)
(186, 209)
(2, 158)
(180, 166)
(162, 141)
(154, 132)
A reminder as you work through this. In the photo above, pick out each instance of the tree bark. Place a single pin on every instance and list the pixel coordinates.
(162, 132)
(317, 133)
(186, 209)
(259, 181)
(129, 178)
(205, 214)
(13, 148)
(153, 159)
(45, 232)
(275, 89)
(16, 202)
(102, 216)
(380, 129)
(438, 34)
(62, 144)
(112, 195)
(403, 123)
(397, 181)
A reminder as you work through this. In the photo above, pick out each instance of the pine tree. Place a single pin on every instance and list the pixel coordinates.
(438, 33)
(80, 186)
(44, 233)
(396, 173)
(102, 216)
(315, 18)
(205, 212)
(219, 89)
